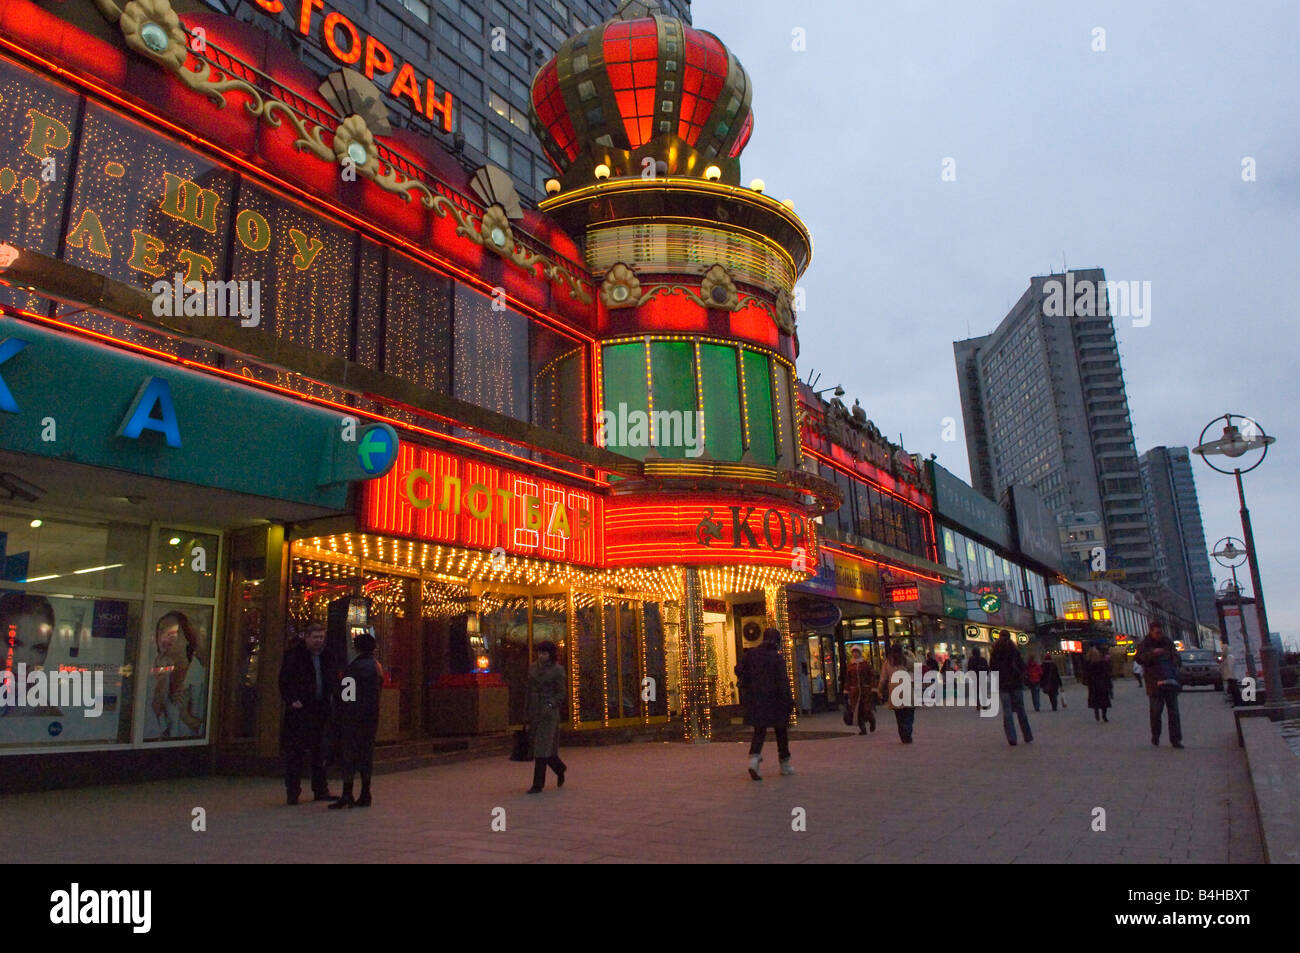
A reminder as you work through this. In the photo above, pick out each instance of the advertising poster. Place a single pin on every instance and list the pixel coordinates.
(71, 655)
(1242, 639)
(176, 695)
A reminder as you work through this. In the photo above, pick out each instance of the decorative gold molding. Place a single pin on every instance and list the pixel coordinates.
(166, 44)
(621, 288)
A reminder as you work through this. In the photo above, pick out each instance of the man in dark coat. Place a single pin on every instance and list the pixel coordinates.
(1051, 682)
(307, 690)
(766, 699)
(1006, 661)
(545, 701)
(358, 719)
(1160, 664)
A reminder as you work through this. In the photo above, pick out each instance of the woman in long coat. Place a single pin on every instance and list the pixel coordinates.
(860, 686)
(766, 699)
(904, 714)
(544, 703)
(1097, 671)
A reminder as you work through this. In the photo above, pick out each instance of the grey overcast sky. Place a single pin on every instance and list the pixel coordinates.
(1129, 159)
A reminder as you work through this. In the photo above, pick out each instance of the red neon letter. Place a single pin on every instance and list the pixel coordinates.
(378, 59)
(332, 23)
(406, 85)
(270, 6)
(304, 18)
(432, 105)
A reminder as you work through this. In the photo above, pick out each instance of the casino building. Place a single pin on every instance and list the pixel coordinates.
(269, 361)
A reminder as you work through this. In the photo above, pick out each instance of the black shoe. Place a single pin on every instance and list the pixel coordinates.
(291, 799)
(559, 777)
(1155, 741)
(1176, 744)
(363, 801)
(862, 730)
(873, 724)
(344, 801)
(535, 790)
(1105, 719)
(324, 796)
(1010, 742)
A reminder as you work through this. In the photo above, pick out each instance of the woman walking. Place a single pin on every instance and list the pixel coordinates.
(358, 715)
(1051, 680)
(894, 690)
(766, 699)
(1097, 671)
(545, 699)
(1034, 676)
(860, 685)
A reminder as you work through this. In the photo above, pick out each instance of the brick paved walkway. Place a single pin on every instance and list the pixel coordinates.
(959, 794)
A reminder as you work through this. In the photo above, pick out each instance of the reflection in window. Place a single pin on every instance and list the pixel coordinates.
(491, 355)
(417, 344)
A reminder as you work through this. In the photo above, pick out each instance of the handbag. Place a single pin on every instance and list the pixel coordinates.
(520, 749)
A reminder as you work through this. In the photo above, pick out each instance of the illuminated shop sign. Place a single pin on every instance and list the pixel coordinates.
(904, 594)
(702, 532)
(435, 496)
(355, 48)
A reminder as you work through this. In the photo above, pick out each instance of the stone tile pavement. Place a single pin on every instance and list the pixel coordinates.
(958, 794)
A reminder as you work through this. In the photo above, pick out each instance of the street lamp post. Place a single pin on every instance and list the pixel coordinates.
(1235, 442)
(1227, 555)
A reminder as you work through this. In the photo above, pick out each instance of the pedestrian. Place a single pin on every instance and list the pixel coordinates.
(944, 669)
(1010, 667)
(896, 690)
(1051, 680)
(766, 700)
(859, 685)
(307, 690)
(1137, 671)
(1034, 676)
(358, 718)
(1160, 664)
(1096, 671)
(546, 693)
(931, 663)
(977, 663)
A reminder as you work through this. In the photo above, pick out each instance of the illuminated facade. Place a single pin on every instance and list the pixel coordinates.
(382, 391)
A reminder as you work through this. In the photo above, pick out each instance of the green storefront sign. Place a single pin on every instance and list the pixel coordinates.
(69, 399)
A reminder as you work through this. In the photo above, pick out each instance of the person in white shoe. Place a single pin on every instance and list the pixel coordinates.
(766, 699)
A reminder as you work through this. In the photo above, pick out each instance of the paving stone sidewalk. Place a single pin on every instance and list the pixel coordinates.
(958, 794)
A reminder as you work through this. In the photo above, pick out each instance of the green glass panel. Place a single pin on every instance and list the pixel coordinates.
(758, 399)
(625, 400)
(723, 428)
(672, 382)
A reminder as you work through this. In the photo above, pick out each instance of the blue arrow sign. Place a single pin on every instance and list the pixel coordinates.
(377, 449)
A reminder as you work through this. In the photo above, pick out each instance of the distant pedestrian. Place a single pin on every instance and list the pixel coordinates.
(546, 691)
(944, 669)
(892, 690)
(859, 685)
(1006, 661)
(766, 700)
(1034, 678)
(308, 683)
(1051, 680)
(977, 663)
(358, 716)
(1137, 671)
(1096, 670)
(931, 663)
(1160, 665)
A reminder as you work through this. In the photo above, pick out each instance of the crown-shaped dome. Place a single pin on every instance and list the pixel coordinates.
(643, 84)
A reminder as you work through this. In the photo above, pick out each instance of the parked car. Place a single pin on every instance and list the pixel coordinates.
(1200, 667)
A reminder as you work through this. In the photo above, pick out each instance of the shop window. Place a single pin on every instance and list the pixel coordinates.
(185, 563)
(590, 659)
(625, 394)
(49, 553)
(656, 661)
(723, 427)
(90, 636)
(674, 422)
(557, 366)
(180, 663)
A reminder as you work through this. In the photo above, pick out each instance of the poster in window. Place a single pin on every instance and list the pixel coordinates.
(176, 694)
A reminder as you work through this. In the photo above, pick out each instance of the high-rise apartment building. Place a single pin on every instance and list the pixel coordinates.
(1181, 557)
(1044, 404)
(483, 52)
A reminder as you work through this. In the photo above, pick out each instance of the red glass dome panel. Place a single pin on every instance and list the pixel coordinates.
(631, 50)
(548, 102)
(743, 138)
(702, 80)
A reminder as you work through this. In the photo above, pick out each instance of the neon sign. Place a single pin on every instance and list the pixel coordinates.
(351, 46)
(905, 594)
(704, 531)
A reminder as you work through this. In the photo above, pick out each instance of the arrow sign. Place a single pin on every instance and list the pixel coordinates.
(356, 453)
(377, 449)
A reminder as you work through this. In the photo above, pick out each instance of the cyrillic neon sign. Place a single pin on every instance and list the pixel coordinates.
(709, 531)
(437, 497)
(354, 47)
